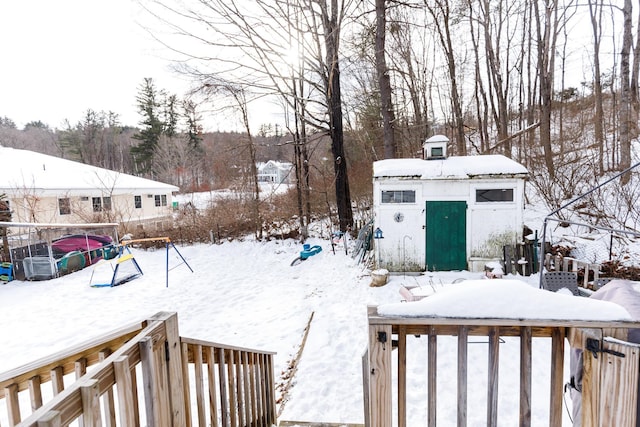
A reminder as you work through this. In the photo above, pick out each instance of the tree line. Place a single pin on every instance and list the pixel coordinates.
(544, 82)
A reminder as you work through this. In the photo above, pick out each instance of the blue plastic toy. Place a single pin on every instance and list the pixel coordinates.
(306, 252)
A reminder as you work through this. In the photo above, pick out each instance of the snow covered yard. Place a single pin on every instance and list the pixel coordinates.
(246, 294)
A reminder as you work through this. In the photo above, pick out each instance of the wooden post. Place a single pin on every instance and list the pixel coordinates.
(90, 392)
(80, 368)
(525, 376)
(177, 383)
(185, 381)
(222, 376)
(107, 398)
(492, 381)
(365, 388)
(402, 376)
(126, 398)
(432, 381)
(35, 392)
(213, 405)
(50, 419)
(619, 392)
(13, 404)
(149, 381)
(463, 334)
(57, 380)
(197, 360)
(557, 365)
(380, 348)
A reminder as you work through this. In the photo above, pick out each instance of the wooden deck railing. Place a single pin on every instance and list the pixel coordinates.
(389, 334)
(141, 375)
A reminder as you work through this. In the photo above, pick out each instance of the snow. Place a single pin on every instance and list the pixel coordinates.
(52, 175)
(505, 299)
(247, 294)
(454, 167)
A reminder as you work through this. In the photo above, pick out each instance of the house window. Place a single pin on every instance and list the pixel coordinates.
(161, 200)
(157, 200)
(64, 206)
(402, 196)
(97, 204)
(137, 201)
(101, 204)
(164, 199)
(494, 195)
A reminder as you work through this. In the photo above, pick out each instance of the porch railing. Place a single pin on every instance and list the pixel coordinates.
(386, 377)
(143, 374)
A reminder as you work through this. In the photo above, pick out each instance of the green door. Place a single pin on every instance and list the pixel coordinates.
(446, 236)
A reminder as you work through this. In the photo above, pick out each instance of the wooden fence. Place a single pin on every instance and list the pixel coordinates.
(609, 385)
(143, 374)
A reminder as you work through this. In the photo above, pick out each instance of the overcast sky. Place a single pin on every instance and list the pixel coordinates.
(62, 57)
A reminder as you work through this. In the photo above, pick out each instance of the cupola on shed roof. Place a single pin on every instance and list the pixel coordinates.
(435, 147)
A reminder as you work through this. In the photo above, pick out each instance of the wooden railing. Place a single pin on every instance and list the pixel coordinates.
(140, 375)
(239, 388)
(389, 334)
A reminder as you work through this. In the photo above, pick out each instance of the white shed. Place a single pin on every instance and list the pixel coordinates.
(446, 213)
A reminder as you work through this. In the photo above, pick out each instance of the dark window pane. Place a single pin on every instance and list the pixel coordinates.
(65, 206)
(404, 196)
(97, 204)
(494, 195)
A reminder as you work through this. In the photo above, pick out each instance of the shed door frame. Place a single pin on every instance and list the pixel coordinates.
(445, 235)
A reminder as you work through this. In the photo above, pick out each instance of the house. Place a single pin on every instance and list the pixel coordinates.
(48, 189)
(446, 213)
(275, 172)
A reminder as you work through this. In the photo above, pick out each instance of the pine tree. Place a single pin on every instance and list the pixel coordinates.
(152, 127)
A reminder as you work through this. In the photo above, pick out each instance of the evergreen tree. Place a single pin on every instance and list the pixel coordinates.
(152, 126)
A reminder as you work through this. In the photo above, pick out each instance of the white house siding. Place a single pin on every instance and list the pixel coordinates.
(34, 183)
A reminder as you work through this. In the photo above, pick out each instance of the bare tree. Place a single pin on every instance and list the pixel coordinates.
(384, 82)
(546, 26)
(441, 13)
(626, 115)
(250, 45)
(595, 15)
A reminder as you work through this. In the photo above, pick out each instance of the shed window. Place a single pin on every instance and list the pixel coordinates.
(64, 206)
(402, 196)
(494, 195)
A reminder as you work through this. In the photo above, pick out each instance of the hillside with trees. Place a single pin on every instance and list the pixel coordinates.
(551, 84)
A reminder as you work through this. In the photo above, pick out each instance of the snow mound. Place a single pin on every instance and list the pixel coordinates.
(505, 299)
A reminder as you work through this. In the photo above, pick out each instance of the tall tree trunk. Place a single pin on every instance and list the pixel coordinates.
(545, 70)
(625, 112)
(334, 103)
(595, 13)
(384, 83)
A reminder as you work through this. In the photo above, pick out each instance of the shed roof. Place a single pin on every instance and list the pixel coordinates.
(48, 175)
(455, 167)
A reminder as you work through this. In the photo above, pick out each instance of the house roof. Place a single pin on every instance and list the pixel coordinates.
(23, 170)
(460, 167)
(285, 166)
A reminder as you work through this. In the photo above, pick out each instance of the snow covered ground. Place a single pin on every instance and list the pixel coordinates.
(247, 294)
